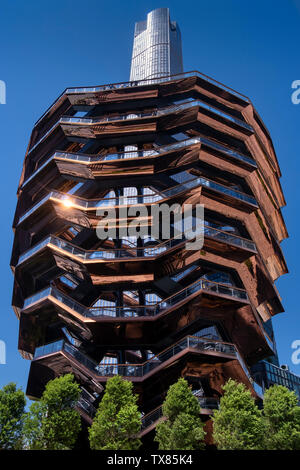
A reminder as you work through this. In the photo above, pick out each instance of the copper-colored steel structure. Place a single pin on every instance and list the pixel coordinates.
(149, 310)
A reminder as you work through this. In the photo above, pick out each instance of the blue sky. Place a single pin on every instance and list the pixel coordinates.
(252, 46)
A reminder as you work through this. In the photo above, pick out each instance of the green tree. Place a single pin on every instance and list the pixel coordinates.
(53, 423)
(181, 427)
(282, 417)
(238, 424)
(12, 404)
(118, 420)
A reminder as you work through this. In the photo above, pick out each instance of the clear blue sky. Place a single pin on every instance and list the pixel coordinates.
(252, 46)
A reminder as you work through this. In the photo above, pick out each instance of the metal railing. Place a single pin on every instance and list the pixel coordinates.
(195, 343)
(137, 370)
(89, 159)
(138, 115)
(138, 310)
(206, 403)
(92, 204)
(207, 183)
(156, 112)
(152, 417)
(154, 80)
(133, 251)
(86, 406)
(148, 81)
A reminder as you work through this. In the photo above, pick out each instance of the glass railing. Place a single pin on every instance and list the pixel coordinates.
(271, 344)
(208, 403)
(244, 366)
(207, 183)
(49, 348)
(152, 417)
(258, 389)
(212, 109)
(133, 251)
(41, 295)
(160, 79)
(82, 158)
(61, 345)
(229, 238)
(137, 310)
(92, 204)
(228, 151)
(33, 208)
(138, 115)
(128, 252)
(148, 81)
(102, 369)
(138, 370)
(87, 407)
(35, 249)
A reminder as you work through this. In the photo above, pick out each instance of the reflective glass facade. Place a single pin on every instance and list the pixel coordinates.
(156, 47)
(267, 374)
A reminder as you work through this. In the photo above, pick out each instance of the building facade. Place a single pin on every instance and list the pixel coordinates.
(148, 308)
(157, 47)
(267, 374)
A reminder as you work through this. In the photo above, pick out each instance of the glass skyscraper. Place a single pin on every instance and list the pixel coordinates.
(157, 46)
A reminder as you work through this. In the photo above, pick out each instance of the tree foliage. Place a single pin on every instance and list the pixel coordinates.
(238, 424)
(181, 427)
(12, 404)
(282, 419)
(53, 423)
(118, 420)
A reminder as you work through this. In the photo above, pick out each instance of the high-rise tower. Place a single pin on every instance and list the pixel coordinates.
(148, 308)
(157, 47)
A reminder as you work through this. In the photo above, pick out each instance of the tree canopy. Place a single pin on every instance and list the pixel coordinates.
(12, 405)
(238, 424)
(181, 427)
(118, 421)
(53, 423)
(282, 419)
